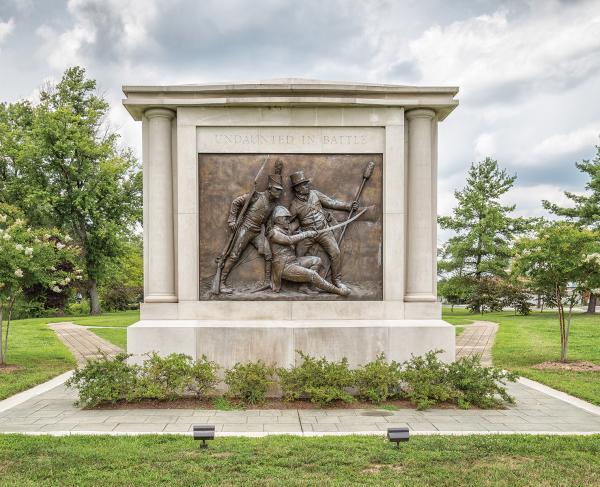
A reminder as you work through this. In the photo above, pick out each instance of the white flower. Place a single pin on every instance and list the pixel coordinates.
(19, 247)
(3, 218)
(79, 278)
(52, 268)
(29, 251)
(19, 273)
(18, 221)
(67, 280)
(56, 289)
(67, 238)
(78, 271)
(60, 246)
(6, 236)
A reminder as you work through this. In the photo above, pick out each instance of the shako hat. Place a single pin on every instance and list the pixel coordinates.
(275, 181)
(280, 211)
(298, 177)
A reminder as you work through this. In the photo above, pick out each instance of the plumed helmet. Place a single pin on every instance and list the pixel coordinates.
(280, 211)
(275, 181)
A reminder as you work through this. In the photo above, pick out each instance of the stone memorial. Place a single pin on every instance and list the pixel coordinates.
(290, 215)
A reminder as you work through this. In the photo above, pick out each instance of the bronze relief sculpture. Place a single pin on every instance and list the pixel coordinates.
(295, 234)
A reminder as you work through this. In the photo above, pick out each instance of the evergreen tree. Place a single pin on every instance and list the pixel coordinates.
(483, 228)
(586, 209)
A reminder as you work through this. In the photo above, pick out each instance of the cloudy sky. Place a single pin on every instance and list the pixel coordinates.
(528, 71)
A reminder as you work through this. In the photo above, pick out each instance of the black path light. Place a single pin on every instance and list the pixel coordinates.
(204, 432)
(396, 435)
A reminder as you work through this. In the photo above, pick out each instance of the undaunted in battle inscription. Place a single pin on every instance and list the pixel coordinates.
(291, 226)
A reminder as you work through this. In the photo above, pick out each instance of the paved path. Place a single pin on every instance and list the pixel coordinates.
(477, 339)
(84, 344)
(53, 412)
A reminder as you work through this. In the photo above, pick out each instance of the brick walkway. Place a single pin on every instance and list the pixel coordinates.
(477, 339)
(83, 344)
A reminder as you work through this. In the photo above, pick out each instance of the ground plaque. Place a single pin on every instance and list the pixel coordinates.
(290, 215)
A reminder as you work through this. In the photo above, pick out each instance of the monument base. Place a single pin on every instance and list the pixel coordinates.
(275, 342)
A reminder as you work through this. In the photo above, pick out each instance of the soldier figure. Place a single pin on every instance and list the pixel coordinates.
(252, 227)
(308, 206)
(286, 265)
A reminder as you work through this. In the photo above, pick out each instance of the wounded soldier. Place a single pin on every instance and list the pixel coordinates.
(286, 265)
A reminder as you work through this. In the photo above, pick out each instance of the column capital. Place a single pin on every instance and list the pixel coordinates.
(420, 113)
(159, 112)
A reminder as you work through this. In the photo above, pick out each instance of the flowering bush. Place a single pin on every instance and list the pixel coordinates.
(30, 257)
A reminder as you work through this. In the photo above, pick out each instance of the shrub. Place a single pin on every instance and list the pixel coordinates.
(424, 380)
(250, 381)
(319, 380)
(479, 386)
(104, 380)
(379, 380)
(164, 378)
(204, 376)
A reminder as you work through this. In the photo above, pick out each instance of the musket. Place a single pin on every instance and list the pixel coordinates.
(220, 260)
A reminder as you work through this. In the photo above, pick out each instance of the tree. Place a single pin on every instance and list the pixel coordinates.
(484, 230)
(455, 289)
(586, 209)
(563, 259)
(66, 170)
(30, 257)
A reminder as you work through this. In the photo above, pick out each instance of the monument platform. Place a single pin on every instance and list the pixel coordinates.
(220, 160)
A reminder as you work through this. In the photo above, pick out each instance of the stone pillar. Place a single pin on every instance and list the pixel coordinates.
(159, 225)
(421, 230)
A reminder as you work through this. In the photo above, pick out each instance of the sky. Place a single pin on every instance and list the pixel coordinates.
(528, 71)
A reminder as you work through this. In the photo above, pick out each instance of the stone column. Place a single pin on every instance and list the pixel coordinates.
(159, 225)
(421, 206)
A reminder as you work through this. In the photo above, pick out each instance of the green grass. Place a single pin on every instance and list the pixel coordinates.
(523, 341)
(116, 336)
(40, 355)
(294, 461)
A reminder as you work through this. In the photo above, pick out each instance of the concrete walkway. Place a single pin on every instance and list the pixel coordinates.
(83, 344)
(477, 339)
(536, 412)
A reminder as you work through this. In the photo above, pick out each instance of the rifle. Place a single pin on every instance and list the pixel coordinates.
(220, 260)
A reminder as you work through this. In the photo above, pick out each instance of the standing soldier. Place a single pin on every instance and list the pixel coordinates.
(308, 206)
(252, 227)
(286, 265)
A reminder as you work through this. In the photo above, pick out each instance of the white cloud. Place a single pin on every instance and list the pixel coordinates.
(528, 199)
(6, 29)
(485, 145)
(565, 144)
(509, 52)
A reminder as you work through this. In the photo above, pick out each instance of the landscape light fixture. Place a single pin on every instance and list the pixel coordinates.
(396, 435)
(204, 432)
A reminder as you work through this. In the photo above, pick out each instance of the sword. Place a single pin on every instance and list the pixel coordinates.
(345, 222)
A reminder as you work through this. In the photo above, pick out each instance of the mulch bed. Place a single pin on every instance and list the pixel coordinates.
(575, 366)
(191, 403)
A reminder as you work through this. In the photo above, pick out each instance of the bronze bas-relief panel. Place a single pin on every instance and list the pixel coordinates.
(268, 271)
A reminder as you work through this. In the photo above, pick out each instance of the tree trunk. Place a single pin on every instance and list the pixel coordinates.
(592, 303)
(94, 299)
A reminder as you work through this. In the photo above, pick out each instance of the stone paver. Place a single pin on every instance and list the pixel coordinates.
(477, 339)
(83, 344)
(535, 411)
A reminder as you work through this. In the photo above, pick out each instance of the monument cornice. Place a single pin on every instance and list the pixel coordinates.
(290, 93)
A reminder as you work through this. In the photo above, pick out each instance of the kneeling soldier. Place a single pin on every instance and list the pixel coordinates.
(286, 265)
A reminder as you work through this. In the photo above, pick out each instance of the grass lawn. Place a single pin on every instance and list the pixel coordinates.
(40, 355)
(291, 461)
(116, 336)
(523, 341)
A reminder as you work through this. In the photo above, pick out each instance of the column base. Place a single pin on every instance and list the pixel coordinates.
(160, 298)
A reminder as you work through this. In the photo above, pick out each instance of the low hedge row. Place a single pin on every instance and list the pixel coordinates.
(423, 380)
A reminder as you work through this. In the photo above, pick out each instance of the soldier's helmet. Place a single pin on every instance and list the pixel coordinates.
(279, 211)
(275, 181)
(298, 177)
